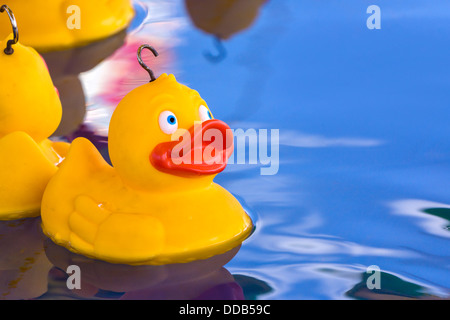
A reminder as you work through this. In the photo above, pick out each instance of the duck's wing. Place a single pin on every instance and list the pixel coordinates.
(24, 174)
(83, 172)
(114, 236)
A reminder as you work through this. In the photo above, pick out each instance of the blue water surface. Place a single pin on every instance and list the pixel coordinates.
(364, 133)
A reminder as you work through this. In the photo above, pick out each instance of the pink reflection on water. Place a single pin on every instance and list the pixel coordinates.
(124, 73)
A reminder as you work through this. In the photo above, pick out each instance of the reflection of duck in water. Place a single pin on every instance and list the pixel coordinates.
(52, 25)
(148, 208)
(23, 264)
(202, 279)
(65, 67)
(223, 18)
(30, 111)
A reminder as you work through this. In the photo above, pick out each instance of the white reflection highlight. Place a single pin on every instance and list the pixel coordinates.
(302, 140)
(415, 208)
(277, 190)
(316, 246)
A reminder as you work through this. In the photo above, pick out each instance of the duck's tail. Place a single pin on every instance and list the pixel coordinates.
(83, 165)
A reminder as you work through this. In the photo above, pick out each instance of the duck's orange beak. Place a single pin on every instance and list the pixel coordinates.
(203, 150)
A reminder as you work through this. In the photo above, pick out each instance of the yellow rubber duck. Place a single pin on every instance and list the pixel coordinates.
(147, 208)
(30, 111)
(59, 24)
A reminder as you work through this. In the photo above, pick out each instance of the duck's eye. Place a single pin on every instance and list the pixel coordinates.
(168, 122)
(205, 114)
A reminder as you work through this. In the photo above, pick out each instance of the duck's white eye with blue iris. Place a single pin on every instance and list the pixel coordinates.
(205, 114)
(168, 122)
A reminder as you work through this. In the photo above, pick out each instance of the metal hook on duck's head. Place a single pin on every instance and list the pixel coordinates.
(9, 50)
(141, 62)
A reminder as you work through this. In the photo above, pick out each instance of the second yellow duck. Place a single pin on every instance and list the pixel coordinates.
(60, 24)
(30, 111)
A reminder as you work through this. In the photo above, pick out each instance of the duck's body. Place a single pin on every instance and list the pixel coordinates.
(133, 213)
(59, 24)
(30, 111)
(99, 216)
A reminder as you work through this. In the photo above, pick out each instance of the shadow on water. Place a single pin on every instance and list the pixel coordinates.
(23, 264)
(65, 67)
(33, 267)
(253, 288)
(202, 279)
(391, 288)
(443, 213)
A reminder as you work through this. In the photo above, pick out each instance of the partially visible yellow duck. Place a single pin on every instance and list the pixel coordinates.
(30, 111)
(224, 18)
(58, 24)
(147, 208)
